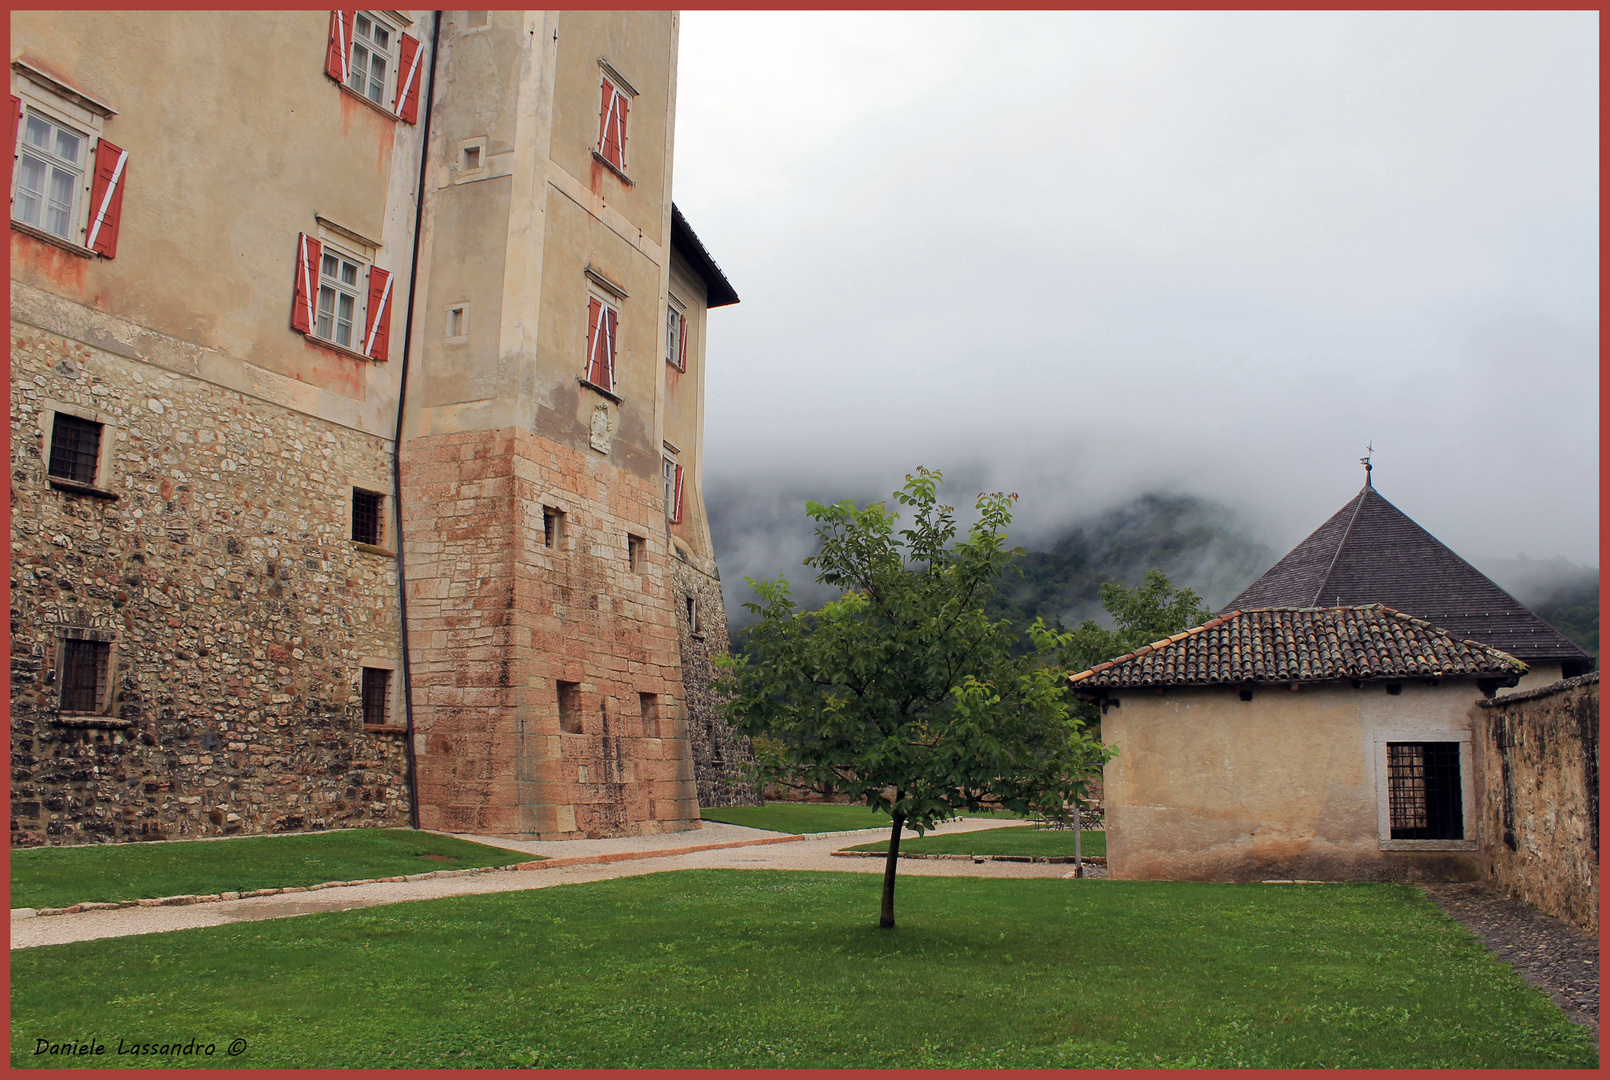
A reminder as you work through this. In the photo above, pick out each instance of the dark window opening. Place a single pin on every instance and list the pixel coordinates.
(366, 516)
(693, 615)
(636, 554)
(84, 675)
(376, 696)
(75, 447)
(569, 707)
(1570, 669)
(552, 520)
(649, 706)
(1246, 693)
(1425, 799)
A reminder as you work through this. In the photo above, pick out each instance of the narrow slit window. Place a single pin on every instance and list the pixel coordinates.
(85, 670)
(636, 554)
(552, 527)
(1425, 797)
(376, 696)
(75, 447)
(569, 707)
(649, 707)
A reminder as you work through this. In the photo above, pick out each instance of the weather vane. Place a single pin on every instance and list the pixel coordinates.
(1369, 451)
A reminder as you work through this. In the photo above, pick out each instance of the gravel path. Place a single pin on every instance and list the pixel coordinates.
(1552, 955)
(808, 853)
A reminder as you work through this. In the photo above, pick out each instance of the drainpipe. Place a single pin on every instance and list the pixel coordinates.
(396, 445)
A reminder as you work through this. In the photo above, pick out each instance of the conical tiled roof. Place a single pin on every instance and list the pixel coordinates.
(1302, 645)
(1371, 552)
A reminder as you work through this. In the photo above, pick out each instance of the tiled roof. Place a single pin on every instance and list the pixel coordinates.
(1370, 552)
(1301, 645)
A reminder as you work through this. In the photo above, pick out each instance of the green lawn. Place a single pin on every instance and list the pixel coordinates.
(750, 969)
(1018, 840)
(790, 817)
(57, 877)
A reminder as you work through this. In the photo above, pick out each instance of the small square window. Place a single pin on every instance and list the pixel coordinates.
(1424, 793)
(636, 553)
(368, 520)
(86, 672)
(75, 449)
(472, 158)
(569, 707)
(376, 697)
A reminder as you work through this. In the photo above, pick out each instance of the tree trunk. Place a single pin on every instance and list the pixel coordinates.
(890, 865)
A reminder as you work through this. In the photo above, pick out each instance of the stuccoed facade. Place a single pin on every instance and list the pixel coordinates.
(256, 673)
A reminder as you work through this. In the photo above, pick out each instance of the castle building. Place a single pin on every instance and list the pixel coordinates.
(357, 381)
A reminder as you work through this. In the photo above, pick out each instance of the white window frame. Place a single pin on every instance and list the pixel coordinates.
(383, 524)
(360, 293)
(359, 83)
(668, 468)
(676, 314)
(64, 107)
(1467, 788)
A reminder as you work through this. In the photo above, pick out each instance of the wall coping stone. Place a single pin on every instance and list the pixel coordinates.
(1541, 691)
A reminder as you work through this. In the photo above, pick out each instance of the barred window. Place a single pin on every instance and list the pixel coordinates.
(75, 448)
(366, 519)
(376, 696)
(1425, 799)
(85, 669)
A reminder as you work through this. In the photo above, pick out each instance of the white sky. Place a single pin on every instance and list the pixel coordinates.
(1084, 255)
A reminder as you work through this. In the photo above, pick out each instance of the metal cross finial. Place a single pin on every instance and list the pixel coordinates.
(1369, 451)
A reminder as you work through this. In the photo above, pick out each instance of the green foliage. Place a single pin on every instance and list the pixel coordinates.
(902, 693)
(724, 969)
(1573, 610)
(58, 877)
(1149, 612)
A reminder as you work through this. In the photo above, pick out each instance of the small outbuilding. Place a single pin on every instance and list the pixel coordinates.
(1296, 743)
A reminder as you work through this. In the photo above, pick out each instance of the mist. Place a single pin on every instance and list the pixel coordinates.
(1091, 256)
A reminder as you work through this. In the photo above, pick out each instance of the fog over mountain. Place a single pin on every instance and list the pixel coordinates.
(1094, 256)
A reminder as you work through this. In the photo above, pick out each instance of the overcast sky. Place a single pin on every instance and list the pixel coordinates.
(1081, 256)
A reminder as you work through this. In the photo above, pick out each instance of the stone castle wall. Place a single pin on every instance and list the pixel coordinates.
(1539, 797)
(498, 619)
(720, 758)
(219, 564)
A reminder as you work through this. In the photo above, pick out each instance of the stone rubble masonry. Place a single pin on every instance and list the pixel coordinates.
(720, 757)
(497, 619)
(237, 606)
(1539, 797)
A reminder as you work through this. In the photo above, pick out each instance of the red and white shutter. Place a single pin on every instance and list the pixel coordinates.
(595, 311)
(339, 54)
(106, 198)
(407, 104)
(306, 293)
(608, 326)
(682, 344)
(605, 116)
(16, 129)
(612, 125)
(676, 498)
(377, 335)
(620, 129)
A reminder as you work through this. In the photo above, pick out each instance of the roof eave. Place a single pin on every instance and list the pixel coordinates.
(686, 243)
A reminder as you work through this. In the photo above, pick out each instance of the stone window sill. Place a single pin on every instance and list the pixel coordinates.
(91, 720)
(381, 109)
(1428, 845)
(385, 729)
(616, 169)
(611, 395)
(52, 238)
(82, 489)
(374, 549)
(342, 349)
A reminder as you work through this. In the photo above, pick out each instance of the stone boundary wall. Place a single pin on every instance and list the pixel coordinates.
(1539, 797)
(217, 561)
(720, 757)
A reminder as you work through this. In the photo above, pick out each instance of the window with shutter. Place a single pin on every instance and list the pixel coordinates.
(341, 298)
(106, 198)
(370, 55)
(602, 323)
(407, 103)
(67, 181)
(612, 112)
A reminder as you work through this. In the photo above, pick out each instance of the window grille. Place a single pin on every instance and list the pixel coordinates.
(1425, 799)
(366, 516)
(84, 674)
(75, 447)
(376, 696)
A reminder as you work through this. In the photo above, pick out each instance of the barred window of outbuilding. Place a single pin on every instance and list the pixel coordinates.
(366, 516)
(1424, 794)
(86, 669)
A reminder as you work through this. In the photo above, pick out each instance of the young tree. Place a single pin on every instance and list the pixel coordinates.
(1149, 612)
(902, 692)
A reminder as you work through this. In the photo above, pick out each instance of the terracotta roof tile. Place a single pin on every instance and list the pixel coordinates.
(1370, 641)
